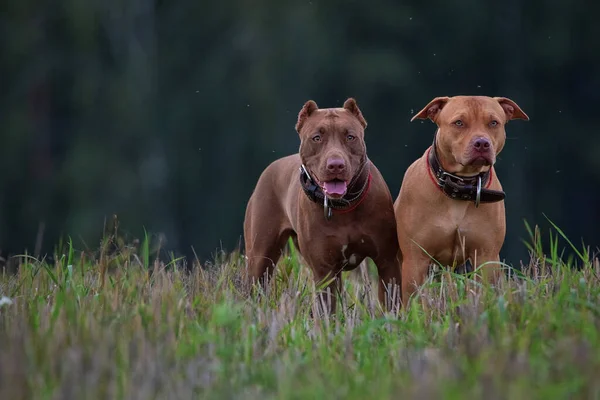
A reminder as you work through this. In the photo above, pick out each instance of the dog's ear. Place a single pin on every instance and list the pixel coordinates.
(511, 109)
(309, 108)
(432, 109)
(351, 106)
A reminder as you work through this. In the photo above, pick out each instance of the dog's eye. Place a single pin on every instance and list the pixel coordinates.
(350, 138)
(494, 124)
(458, 122)
(316, 138)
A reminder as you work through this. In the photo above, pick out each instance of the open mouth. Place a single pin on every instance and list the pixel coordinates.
(335, 188)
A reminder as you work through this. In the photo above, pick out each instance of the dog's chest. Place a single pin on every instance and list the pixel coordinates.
(345, 250)
(446, 222)
(460, 230)
(452, 230)
(458, 214)
(354, 252)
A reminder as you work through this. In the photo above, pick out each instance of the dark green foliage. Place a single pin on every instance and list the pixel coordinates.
(165, 112)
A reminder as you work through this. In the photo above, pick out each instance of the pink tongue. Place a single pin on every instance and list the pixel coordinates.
(335, 187)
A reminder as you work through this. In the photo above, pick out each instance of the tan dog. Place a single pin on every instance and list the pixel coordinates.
(330, 199)
(451, 203)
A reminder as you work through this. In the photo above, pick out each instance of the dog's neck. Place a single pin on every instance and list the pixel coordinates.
(465, 188)
(357, 190)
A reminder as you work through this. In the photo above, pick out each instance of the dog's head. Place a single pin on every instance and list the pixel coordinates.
(471, 130)
(332, 144)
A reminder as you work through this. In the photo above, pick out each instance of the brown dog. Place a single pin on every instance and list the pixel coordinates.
(330, 199)
(451, 204)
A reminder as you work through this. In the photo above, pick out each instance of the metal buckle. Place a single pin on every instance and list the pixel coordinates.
(478, 196)
(326, 208)
(303, 169)
(443, 174)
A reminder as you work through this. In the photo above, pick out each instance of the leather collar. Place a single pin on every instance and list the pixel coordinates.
(473, 188)
(358, 188)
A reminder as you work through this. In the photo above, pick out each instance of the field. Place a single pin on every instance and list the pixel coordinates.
(119, 325)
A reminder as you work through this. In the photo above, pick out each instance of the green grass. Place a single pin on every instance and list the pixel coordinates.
(121, 326)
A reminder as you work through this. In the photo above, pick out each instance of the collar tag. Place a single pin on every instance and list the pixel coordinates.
(478, 195)
(326, 208)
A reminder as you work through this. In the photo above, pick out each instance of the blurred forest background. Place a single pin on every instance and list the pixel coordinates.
(166, 112)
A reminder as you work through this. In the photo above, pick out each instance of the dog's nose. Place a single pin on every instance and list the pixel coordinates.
(482, 144)
(335, 165)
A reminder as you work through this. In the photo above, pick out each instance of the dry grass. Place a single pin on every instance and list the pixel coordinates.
(112, 328)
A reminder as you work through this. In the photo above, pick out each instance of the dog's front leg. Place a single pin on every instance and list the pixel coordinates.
(328, 295)
(390, 282)
(414, 272)
(487, 266)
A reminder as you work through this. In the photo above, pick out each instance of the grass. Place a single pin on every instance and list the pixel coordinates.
(119, 325)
